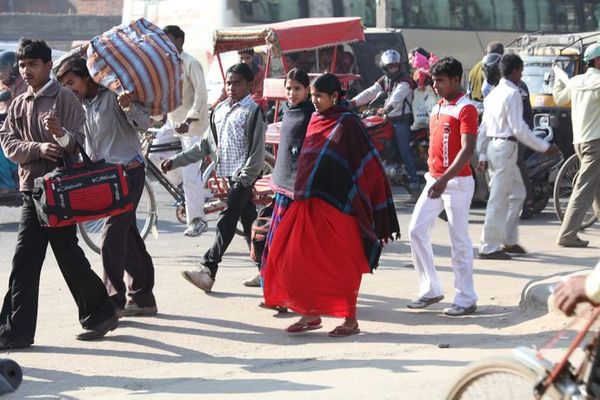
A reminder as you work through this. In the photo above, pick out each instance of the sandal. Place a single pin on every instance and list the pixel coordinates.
(279, 309)
(300, 326)
(343, 331)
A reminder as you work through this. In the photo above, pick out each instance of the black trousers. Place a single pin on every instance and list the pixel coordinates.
(19, 312)
(239, 206)
(123, 249)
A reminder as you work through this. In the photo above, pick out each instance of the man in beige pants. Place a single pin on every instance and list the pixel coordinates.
(583, 91)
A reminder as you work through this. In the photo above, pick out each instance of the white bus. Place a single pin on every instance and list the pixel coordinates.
(460, 28)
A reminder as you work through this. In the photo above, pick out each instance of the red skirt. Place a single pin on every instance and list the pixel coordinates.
(316, 261)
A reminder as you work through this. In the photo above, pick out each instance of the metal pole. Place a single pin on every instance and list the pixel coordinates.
(383, 14)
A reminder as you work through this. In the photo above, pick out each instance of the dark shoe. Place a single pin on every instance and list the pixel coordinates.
(6, 344)
(526, 213)
(100, 330)
(496, 255)
(514, 249)
(133, 310)
(574, 243)
(423, 302)
(458, 311)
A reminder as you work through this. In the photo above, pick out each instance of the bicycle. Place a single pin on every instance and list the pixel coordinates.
(147, 210)
(563, 189)
(528, 375)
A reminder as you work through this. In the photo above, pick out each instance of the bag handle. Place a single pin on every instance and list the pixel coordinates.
(87, 161)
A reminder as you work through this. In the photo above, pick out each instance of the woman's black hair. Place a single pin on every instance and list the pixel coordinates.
(421, 51)
(77, 66)
(328, 83)
(299, 75)
(243, 70)
(34, 49)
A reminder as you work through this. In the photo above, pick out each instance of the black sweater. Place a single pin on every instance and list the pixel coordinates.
(293, 129)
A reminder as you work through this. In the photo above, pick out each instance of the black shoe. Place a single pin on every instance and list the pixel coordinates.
(6, 344)
(100, 330)
(514, 249)
(495, 255)
(574, 243)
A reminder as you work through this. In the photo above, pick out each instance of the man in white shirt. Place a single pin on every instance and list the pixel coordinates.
(501, 130)
(191, 121)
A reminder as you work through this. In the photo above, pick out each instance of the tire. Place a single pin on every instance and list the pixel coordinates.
(563, 187)
(498, 379)
(268, 168)
(146, 218)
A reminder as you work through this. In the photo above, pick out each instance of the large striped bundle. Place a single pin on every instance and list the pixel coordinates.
(139, 58)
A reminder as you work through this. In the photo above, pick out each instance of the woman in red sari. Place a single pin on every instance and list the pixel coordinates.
(333, 232)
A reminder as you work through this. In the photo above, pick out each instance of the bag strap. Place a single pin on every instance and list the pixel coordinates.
(69, 162)
(252, 129)
(213, 128)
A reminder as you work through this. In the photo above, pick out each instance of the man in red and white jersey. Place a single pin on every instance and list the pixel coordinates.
(450, 185)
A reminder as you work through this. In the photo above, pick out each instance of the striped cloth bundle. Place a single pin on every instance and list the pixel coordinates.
(138, 57)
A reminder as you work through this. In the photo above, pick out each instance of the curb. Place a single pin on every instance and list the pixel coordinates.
(537, 294)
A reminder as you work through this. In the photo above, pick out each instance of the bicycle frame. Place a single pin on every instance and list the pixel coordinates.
(150, 148)
(559, 375)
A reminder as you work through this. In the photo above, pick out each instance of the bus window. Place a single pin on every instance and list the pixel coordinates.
(260, 11)
(492, 15)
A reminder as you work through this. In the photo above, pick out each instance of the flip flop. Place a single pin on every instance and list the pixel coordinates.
(279, 309)
(298, 327)
(343, 331)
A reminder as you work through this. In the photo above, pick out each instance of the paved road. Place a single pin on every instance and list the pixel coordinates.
(223, 346)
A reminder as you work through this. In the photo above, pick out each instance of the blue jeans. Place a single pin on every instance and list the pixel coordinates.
(403, 136)
(7, 169)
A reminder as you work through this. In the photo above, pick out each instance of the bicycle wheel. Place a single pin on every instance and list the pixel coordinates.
(563, 187)
(146, 214)
(214, 204)
(501, 378)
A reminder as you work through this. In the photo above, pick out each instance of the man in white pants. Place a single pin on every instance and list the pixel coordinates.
(502, 128)
(450, 185)
(191, 121)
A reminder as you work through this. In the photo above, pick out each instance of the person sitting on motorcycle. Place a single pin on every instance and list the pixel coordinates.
(12, 85)
(397, 108)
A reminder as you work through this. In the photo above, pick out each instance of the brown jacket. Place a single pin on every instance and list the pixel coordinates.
(23, 130)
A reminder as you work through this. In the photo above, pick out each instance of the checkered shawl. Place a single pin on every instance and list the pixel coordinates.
(140, 58)
(339, 164)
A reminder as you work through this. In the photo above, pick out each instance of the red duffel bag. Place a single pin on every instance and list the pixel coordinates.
(80, 192)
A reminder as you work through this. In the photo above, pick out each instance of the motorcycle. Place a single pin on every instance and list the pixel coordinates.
(543, 169)
(381, 131)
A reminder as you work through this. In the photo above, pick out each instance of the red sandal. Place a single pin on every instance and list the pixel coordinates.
(299, 326)
(343, 331)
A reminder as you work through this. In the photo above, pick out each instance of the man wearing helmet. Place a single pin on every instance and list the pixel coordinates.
(583, 92)
(11, 85)
(397, 108)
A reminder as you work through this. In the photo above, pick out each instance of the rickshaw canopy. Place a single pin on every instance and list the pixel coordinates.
(291, 36)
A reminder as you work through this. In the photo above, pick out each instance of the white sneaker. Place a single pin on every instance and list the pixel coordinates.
(196, 227)
(253, 282)
(200, 278)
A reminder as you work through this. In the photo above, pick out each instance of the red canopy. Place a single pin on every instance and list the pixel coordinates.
(291, 36)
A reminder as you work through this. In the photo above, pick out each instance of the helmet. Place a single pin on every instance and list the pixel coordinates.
(591, 52)
(388, 58)
(8, 66)
(491, 68)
